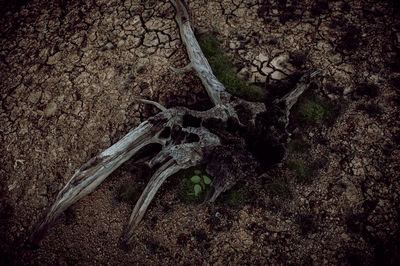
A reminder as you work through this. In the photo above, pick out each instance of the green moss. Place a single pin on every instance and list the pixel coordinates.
(298, 146)
(303, 170)
(128, 193)
(237, 196)
(314, 111)
(224, 71)
(280, 188)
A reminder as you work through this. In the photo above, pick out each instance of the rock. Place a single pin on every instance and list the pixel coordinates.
(262, 58)
(141, 65)
(54, 58)
(34, 97)
(324, 46)
(120, 43)
(345, 237)
(109, 46)
(277, 75)
(131, 24)
(347, 90)
(280, 61)
(244, 73)
(346, 68)
(336, 58)
(51, 109)
(162, 37)
(256, 77)
(43, 54)
(233, 45)
(266, 70)
(132, 41)
(12, 186)
(150, 39)
(154, 24)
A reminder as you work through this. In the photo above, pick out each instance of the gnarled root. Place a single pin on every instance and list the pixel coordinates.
(218, 136)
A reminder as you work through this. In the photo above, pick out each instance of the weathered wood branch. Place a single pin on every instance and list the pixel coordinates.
(216, 91)
(156, 104)
(234, 134)
(93, 173)
(184, 69)
(168, 169)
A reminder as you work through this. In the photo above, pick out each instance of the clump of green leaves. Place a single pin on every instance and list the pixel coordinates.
(194, 185)
(199, 181)
(223, 69)
(314, 112)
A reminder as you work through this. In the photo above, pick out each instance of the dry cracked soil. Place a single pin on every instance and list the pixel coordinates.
(70, 71)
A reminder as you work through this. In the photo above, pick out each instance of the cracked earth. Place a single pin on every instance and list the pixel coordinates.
(70, 71)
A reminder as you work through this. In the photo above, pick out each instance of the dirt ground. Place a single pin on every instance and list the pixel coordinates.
(70, 71)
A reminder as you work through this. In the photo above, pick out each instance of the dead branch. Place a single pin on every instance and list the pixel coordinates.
(156, 104)
(219, 137)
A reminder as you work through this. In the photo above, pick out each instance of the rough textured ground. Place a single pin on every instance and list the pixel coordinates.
(71, 69)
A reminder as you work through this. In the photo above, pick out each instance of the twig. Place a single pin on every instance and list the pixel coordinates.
(156, 104)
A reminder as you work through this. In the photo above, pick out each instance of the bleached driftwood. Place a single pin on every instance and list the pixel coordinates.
(217, 137)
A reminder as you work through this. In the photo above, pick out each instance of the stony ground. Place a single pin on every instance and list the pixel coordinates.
(70, 71)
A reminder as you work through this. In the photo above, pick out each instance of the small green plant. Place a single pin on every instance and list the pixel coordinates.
(223, 69)
(199, 183)
(194, 185)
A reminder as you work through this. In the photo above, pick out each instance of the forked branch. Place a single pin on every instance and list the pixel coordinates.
(93, 173)
(187, 137)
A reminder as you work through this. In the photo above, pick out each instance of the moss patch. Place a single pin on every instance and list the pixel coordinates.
(223, 69)
(298, 146)
(280, 188)
(237, 196)
(128, 193)
(299, 161)
(313, 110)
(303, 170)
